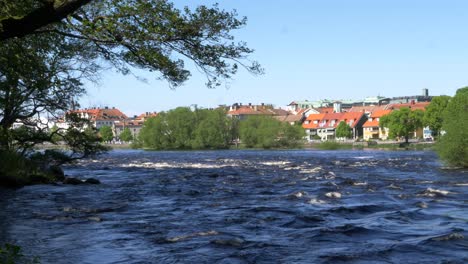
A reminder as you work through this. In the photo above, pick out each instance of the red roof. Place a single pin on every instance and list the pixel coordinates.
(380, 113)
(251, 110)
(325, 109)
(311, 118)
(332, 120)
(102, 113)
(412, 106)
(373, 121)
(146, 115)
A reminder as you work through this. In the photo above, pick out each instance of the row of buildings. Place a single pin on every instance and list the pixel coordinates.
(319, 118)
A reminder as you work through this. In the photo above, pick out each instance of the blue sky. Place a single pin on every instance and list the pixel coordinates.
(335, 49)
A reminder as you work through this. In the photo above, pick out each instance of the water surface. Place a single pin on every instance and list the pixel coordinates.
(246, 207)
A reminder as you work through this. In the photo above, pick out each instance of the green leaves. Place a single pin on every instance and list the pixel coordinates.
(434, 114)
(453, 145)
(267, 132)
(343, 130)
(402, 122)
(182, 128)
(106, 133)
(126, 135)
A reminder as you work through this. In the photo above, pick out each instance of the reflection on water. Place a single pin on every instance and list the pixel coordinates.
(246, 207)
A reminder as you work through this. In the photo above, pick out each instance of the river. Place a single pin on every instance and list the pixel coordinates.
(303, 206)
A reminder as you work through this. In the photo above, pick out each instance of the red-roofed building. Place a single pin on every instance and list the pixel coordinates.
(411, 105)
(323, 125)
(371, 127)
(134, 124)
(100, 117)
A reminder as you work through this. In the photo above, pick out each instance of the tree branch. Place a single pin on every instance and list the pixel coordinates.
(38, 18)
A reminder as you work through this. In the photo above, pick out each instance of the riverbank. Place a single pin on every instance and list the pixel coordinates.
(383, 145)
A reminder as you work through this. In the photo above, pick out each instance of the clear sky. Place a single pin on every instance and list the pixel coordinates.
(315, 49)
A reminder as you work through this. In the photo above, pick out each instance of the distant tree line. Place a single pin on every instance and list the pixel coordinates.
(182, 128)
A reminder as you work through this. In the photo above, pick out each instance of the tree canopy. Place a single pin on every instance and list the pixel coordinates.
(434, 114)
(453, 145)
(182, 128)
(402, 122)
(106, 133)
(126, 135)
(343, 130)
(267, 132)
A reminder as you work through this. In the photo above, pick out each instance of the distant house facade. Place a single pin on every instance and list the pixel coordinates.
(133, 124)
(100, 117)
(371, 127)
(323, 126)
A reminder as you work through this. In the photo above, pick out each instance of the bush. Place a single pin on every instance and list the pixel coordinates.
(11, 254)
(17, 171)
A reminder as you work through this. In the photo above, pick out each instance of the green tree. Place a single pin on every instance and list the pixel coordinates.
(126, 135)
(267, 132)
(182, 128)
(213, 131)
(343, 130)
(293, 135)
(403, 122)
(106, 133)
(453, 145)
(434, 114)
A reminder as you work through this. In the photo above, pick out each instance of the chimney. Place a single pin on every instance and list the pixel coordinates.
(337, 107)
(425, 92)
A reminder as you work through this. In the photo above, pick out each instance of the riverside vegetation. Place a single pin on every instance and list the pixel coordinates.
(182, 128)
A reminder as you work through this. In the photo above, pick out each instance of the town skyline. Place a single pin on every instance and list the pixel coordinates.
(283, 105)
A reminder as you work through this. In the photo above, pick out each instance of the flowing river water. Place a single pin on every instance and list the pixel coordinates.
(302, 206)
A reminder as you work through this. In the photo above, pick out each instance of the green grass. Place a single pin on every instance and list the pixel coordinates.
(333, 145)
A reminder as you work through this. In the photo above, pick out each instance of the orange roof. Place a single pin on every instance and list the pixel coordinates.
(380, 113)
(315, 117)
(373, 123)
(102, 113)
(332, 120)
(325, 109)
(412, 106)
(146, 115)
(311, 118)
(377, 114)
(251, 110)
(354, 116)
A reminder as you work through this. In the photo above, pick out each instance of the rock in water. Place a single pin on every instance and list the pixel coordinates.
(73, 181)
(56, 172)
(92, 181)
